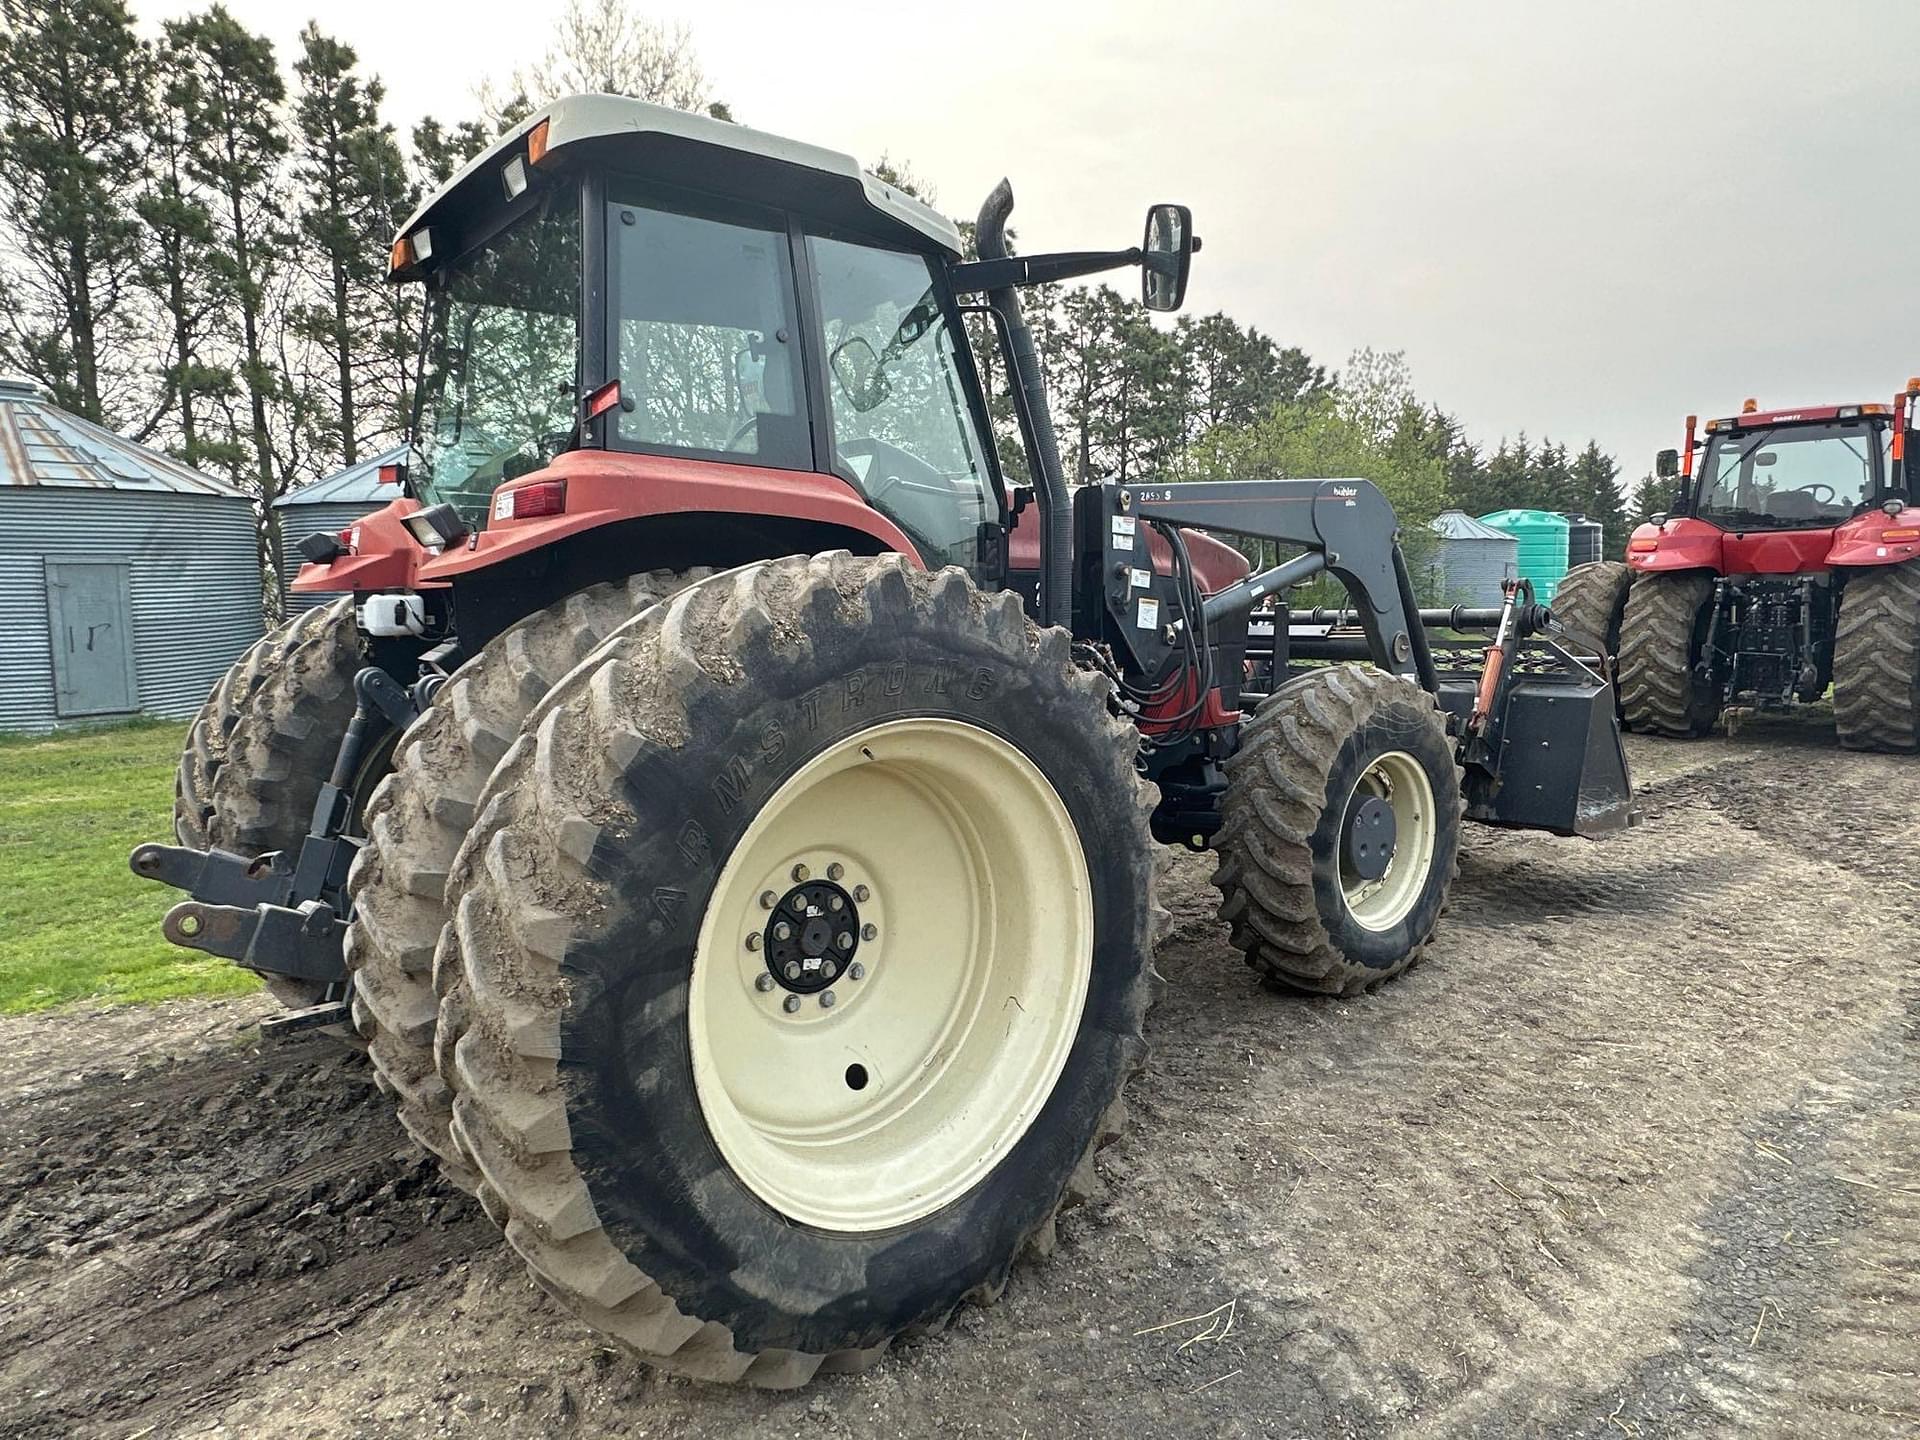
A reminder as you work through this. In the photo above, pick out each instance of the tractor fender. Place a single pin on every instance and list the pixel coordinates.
(1679, 543)
(1863, 541)
(385, 556)
(604, 487)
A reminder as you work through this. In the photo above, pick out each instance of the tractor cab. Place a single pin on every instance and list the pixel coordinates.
(1800, 469)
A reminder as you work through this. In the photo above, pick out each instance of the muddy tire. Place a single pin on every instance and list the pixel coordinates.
(1876, 660)
(736, 1179)
(264, 743)
(1661, 635)
(1589, 603)
(417, 819)
(1331, 766)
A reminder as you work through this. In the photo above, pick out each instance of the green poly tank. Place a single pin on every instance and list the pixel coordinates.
(1542, 537)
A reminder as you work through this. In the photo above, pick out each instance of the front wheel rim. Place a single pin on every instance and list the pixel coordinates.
(943, 898)
(1401, 781)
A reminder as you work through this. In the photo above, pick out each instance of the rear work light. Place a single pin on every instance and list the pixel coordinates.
(530, 502)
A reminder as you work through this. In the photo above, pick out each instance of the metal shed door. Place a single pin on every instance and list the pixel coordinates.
(90, 616)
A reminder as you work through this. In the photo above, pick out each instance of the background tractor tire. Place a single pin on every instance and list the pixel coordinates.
(1590, 601)
(420, 814)
(1876, 660)
(800, 708)
(264, 743)
(1314, 753)
(1661, 635)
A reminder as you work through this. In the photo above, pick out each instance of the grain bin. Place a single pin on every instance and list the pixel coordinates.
(1542, 536)
(129, 581)
(1586, 539)
(331, 505)
(1469, 560)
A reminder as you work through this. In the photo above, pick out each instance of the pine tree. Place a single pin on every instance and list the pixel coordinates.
(1597, 492)
(439, 150)
(70, 106)
(230, 91)
(349, 166)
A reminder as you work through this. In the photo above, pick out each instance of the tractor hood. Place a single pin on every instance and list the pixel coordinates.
(673, 147)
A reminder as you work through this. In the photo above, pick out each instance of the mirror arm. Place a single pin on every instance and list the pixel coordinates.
(978, 275)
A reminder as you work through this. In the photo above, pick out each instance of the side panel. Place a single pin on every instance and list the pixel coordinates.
(386, 557)
(1688, 543)
(607, 486)
(1777, 552)
(90, 617)
(1681, 543)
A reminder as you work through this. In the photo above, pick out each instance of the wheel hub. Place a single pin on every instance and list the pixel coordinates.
(811, 937)
(1371, 833)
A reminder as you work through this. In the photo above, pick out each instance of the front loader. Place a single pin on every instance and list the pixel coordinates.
(743, 857)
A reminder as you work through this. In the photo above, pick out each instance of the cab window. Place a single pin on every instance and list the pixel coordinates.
(903, 432)
(705, 337)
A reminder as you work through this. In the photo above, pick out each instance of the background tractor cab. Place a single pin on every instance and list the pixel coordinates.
(651, 335)
(1786, 564)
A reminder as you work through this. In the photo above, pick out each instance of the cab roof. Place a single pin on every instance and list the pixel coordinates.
(681, 148)
(1804, 414)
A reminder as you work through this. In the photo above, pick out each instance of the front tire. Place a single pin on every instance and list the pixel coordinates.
(417, 819)
(1340, 830)
(1876, 660)
(694, 1150)
(1589, 603)
(1662, 635)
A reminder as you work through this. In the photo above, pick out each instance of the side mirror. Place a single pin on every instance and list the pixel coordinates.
(1166, 256)
(859, 372)
(1666, 465)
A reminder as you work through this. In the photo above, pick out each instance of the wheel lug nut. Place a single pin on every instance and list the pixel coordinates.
(856, 971)
(869, 932)
(783, 931)
(826, 999)
(800, 903)
(834, 902)
(768, 899)
(843, 939)
(836, 870)
(862, 894)
(801, 874)
(793, 970)
(790, 1004)
(763, 982)
(753, 941)
(829, 970)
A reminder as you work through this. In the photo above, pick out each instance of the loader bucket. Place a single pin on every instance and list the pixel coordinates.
(1550, 758)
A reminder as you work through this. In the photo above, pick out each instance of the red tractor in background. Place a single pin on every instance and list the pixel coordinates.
(1790, 562)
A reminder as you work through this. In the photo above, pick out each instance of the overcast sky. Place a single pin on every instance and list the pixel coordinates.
(1575, 220)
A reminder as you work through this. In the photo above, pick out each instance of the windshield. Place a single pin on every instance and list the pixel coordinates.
(902, 429)
(1789, 475)
(500, 374)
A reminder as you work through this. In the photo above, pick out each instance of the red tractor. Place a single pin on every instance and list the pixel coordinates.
(1789, 562)
(726, 807)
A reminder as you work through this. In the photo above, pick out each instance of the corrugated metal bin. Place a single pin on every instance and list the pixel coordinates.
(1469, 560)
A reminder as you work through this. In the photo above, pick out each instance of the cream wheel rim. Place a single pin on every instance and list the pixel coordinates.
(1401, 781)
(874, 1097)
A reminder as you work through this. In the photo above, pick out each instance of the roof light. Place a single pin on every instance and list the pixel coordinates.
(1713, 425)
(1749, 405)
(1846, 412)
(513, 178)
(400, 257)
(422, 242)
(1876, 409)
(537, 143)
(530, 502)
(1913, 385)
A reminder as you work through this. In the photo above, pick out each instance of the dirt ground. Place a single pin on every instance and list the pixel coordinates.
(1635, 1151)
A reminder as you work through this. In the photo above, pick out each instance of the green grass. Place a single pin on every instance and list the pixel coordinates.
(74, 922)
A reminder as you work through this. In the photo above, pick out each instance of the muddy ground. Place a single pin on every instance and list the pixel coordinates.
(1636, 1151)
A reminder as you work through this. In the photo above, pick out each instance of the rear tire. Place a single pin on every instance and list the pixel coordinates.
(1313, 755)
(677, 1154)
(1590, 601)
(1662, 633)
(1876, 660)
(417, 819)
(264, 743)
